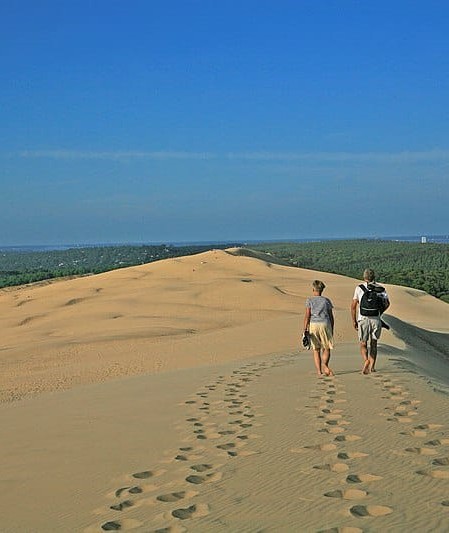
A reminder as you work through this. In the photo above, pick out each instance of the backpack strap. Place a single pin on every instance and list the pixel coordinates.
(364, 289)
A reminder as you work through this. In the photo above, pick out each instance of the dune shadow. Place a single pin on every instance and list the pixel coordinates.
(428, 351)
(419, 338)
(266, 257)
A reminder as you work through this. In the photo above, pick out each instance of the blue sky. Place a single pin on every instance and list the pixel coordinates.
(168, 121)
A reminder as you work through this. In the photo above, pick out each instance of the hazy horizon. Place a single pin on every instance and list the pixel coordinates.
(405, 238)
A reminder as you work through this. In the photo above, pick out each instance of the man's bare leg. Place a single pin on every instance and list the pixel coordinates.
(364, 352)
(372, 355)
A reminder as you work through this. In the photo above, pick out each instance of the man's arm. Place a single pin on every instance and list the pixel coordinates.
(354, 305)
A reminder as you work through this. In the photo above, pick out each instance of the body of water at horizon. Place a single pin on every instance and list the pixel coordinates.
(440, 239)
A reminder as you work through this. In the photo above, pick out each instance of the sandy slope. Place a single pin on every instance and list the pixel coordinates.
(224, 426)
(170, 314)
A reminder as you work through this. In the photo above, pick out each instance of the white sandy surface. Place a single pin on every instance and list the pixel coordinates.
(173, 396)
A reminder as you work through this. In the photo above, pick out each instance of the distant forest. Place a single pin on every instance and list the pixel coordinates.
(22, 267)
(422, 266)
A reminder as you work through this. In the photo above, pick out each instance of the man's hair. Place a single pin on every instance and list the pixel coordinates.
(368, 274)
(318, 285)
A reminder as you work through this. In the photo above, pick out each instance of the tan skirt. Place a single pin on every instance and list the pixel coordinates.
(321, 335)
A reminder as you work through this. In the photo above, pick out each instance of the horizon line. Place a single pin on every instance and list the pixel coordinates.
(227, 241)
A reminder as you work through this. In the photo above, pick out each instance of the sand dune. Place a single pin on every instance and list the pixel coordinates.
(173, 397)
(147, 319)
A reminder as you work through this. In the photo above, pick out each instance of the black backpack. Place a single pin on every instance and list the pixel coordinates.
(371, 304)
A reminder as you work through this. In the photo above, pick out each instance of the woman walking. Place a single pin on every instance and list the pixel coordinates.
(319, 325)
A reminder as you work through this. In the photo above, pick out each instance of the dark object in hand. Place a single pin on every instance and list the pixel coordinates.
(306, 340)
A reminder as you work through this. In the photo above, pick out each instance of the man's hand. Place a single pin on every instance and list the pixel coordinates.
(355, 324)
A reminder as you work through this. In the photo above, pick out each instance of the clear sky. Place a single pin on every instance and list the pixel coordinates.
(169, 121)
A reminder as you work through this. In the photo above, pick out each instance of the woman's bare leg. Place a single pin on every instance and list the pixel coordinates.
(326, 358)
(317, 361)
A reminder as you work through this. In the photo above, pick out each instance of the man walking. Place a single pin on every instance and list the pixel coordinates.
(369, 302)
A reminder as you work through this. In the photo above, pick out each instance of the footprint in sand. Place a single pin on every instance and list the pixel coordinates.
(143, 475)
(361, 511)
(194, 511)
(339, 468)
(201, 467)
(422, 451)
(227, 446)
(130, 490)
(350, 494)
(231, 448)
(122, 505)
(437, 442)
(336, 422)
(120, 525)
(442, 461)
(406, 408)
(186, 455)
(415, 433)
(209, 478)
(428, 426)
(327, 447)
(435, 473)
(351, 455)
(333, 430)
(404, 420)
(332, 416)
(400, 414)
(410, 402)
(362, 478)
(412, 413)
(347, 438)
(175, 496)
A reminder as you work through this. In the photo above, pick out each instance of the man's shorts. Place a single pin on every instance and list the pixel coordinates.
(370, 327)
(321, 335)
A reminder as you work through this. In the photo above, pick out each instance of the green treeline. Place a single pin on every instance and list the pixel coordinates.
(421, 266)
(21, 267)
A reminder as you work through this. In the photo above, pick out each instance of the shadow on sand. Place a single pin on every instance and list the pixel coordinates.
(426, 351)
